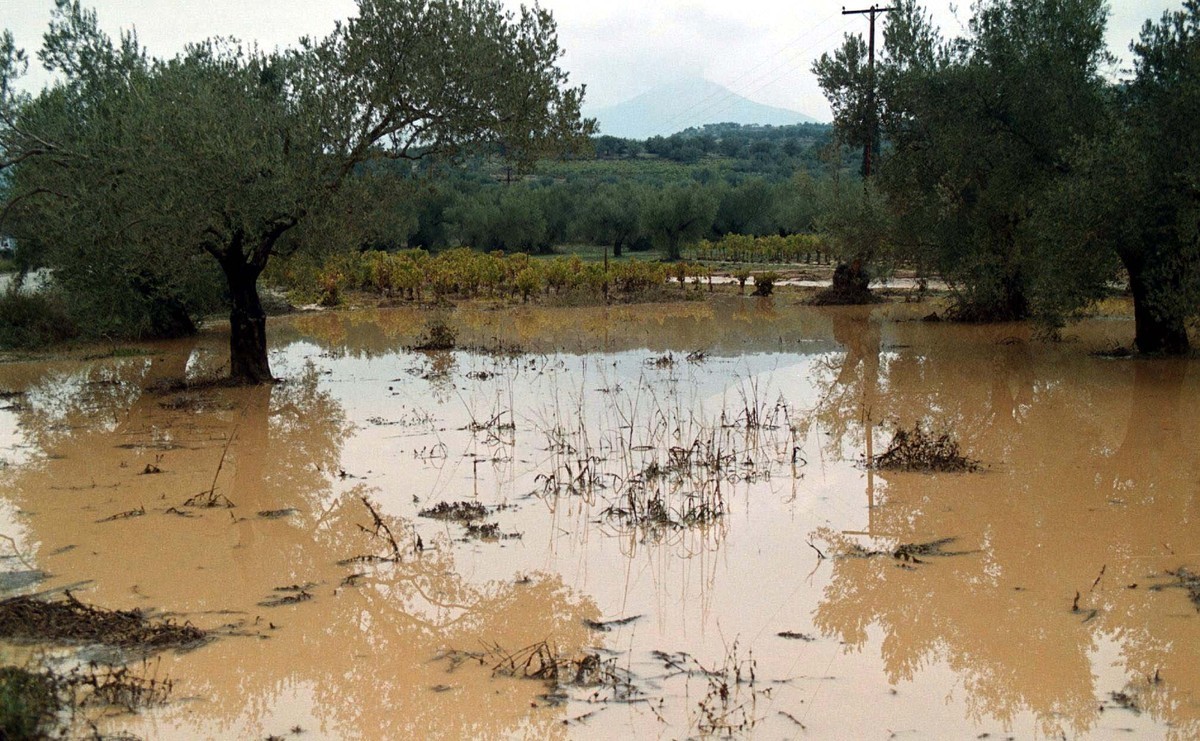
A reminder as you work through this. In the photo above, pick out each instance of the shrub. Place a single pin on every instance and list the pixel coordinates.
(764, 283)
(34, 320)
(28, 702)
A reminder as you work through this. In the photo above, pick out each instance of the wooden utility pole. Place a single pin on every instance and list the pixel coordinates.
(873, 124)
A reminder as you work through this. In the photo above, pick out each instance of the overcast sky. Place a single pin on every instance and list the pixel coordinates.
(761, 49)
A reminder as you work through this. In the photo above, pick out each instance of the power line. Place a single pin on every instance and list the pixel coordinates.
(727, 101)
(873, 122)
(717, 99)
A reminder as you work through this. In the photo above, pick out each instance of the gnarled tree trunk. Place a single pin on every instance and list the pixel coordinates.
(1154, 332)
(248, 363)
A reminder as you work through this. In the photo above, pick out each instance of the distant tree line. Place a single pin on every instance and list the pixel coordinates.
(1009, 164)
(630, 195)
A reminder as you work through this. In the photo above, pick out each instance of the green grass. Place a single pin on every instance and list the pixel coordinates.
(29, 321)
(28, 702)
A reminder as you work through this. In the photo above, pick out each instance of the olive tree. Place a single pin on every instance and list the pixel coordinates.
(678, 213)
(977, 130)
(228, 152)
(1133, 192)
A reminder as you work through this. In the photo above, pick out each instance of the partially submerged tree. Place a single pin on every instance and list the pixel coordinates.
(976, 131)
(1133, 194)
(229, 151)
(854, 220)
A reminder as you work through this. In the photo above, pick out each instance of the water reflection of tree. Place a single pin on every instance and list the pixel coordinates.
(370, 662)
(1089, 472)
(722, 326)
(362, 652)
(848, 384)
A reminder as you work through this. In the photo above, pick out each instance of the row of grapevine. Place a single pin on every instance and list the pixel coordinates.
(795, 248)
(464, 273)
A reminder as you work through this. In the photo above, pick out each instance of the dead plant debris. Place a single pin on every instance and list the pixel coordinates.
(542, 661)
(1126, 701)
(605, 626)
(732, 690)
(1184, 579)
(918, 449)
(118, 686)
(907, 552)
(275, 514)
(209, 500)
(70, 621)
(455, 511)
(124, 515)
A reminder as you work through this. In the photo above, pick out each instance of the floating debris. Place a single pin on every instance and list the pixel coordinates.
(69, 620)
(289, 595)
(920, 450)
(1185, 580)
(275, 514)
(796, 636)
(455, 511)
(607, 625)
(124, 515)
(909, 552)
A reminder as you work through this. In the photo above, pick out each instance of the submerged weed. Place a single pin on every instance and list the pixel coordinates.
(1183, 579)
(561, 672)
(920, 450)
(731, 690)
(455, 511)
(438, 336)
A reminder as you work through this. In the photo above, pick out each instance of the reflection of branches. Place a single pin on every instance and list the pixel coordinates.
(380, 528)
(1053, 429)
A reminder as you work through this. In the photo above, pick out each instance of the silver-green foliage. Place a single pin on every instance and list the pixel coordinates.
(229, 154)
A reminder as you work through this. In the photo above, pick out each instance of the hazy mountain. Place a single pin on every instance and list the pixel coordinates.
(688, 102)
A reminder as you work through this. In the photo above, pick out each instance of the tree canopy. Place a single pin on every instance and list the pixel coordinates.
(230, 152)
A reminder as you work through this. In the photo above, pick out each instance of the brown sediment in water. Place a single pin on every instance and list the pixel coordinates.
(1088, 492)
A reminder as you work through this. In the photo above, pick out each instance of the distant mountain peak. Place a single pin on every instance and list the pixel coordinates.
(686, 102)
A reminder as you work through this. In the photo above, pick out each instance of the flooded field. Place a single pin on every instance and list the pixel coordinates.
(653, 521)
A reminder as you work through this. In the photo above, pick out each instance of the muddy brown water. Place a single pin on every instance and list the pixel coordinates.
(1089, 487)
